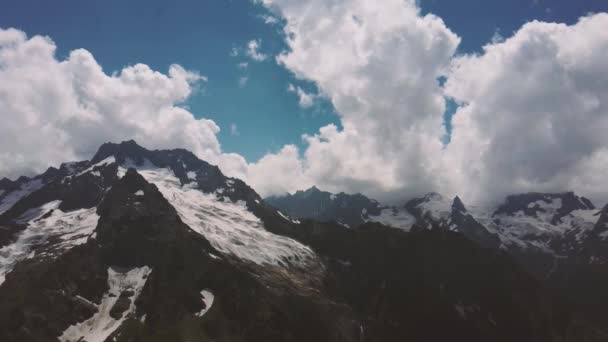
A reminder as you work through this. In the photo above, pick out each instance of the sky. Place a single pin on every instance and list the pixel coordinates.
(391, 99)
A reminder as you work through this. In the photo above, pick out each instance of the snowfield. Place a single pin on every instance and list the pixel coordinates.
(102, 325)
(229, 227)
(520, 229)
(45, 224)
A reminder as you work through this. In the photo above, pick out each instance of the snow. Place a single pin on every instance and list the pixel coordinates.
(229, 182)
(51, 235)
(228, 226)
(332, 197)
(191, 175)
(99, 327)
(393, 217)
(436, 207)
(538, 231)
(207, 298)
(14, 196)
(139, 193)
(107, 161)
(287, 218)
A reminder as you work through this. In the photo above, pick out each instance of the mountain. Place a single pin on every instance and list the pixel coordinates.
(158, 245)
(324, 206)
(559, 238)
(555, 225)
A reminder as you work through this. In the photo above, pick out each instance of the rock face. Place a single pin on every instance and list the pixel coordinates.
(323, 206)
(140, 245)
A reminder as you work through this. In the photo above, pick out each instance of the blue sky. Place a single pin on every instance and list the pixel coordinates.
(201, 34)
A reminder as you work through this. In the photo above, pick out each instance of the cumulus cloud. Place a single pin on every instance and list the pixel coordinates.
(59, 110)
(378, 64)
(534, 112)
(253, 50)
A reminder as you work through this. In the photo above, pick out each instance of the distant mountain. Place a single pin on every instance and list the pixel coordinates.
(142, 245)
(560, 238)
(324, 206)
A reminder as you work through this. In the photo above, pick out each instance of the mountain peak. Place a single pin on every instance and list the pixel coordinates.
(458, 205)
(313, 189)
(128, 148)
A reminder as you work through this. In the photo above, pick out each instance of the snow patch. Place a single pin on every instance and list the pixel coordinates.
(107, 161)
(139, 193)
(207, 298)
(99, 327)
(287, 218)
(48, 235)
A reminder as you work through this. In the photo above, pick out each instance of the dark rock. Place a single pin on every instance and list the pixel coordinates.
(122, 304)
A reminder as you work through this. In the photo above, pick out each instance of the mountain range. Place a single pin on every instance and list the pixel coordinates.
(158, 245)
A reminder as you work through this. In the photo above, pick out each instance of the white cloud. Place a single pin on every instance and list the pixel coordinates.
(533, 118)
(275, 172)
(253, 50)
(243, 65)
(54, 111)
(535, 112)
(305, 99)
(269, 20)
(234, 130)
(378, 63)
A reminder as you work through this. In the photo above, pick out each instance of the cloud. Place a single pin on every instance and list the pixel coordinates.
(534, 112)
(269, 20)
(243, 81)
(253, 50)
(378, 64)
(54, 111)
(306, 100)
(234, 52)
(234, 130)
(243, 65)
(532, 116)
